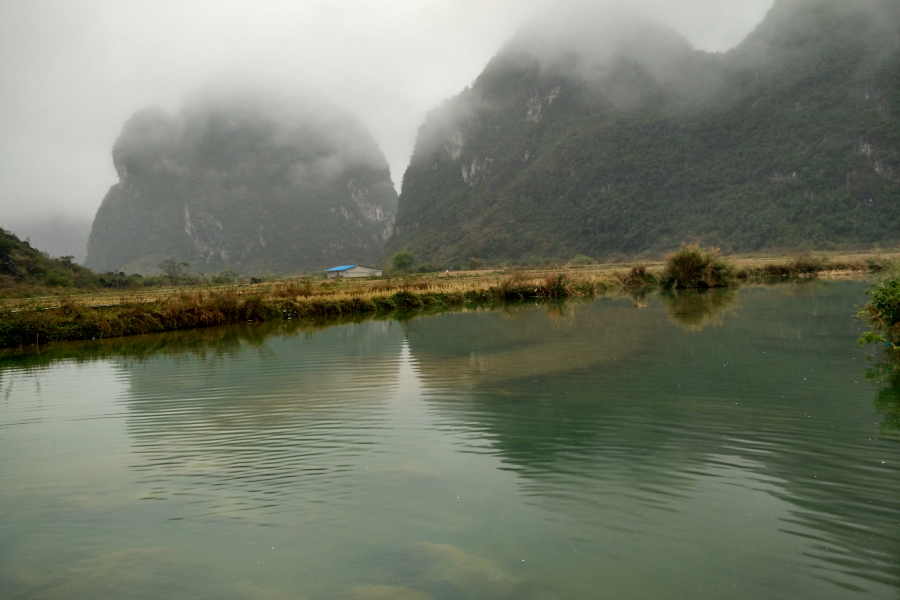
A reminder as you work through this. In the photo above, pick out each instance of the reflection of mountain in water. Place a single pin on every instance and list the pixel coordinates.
(493, 348)
(606, 413)
(543, 378)
(610, 407)
(250, 417)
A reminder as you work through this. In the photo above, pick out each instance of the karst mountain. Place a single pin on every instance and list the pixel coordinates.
(609, 135)
(243, 183)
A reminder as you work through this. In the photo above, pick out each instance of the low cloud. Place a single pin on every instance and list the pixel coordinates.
(73, 73)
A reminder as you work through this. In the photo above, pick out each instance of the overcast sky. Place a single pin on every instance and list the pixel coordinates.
(72, 71)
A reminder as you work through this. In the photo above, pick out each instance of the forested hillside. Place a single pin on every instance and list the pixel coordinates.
(237, 182)
(610, 138)
(23, 266)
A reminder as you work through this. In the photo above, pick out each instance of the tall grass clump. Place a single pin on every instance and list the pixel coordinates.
(515, 287)
(556, 285)
(637, 277)
(804, 266)
(692, 267)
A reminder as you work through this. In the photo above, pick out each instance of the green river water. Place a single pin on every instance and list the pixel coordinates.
(721, 445)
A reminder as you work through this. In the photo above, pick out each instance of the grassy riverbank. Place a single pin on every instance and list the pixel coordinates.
(40, 321)
(187, 309)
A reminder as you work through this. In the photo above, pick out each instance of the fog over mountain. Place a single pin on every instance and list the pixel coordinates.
(240, 181)
(607, 134)
(73, 72)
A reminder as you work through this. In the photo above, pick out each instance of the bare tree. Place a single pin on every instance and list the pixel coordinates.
(172, 269)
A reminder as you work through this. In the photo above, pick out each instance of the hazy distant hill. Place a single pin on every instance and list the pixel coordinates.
(247, 185)
(598, 137)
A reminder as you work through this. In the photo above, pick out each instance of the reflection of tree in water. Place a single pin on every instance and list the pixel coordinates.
(695, 309)
(887, 401)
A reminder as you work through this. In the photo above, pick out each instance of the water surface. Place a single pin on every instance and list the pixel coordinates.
(711, 446)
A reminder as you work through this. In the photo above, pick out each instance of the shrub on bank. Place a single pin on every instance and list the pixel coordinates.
(691, 267)
(882, 312)
(638, 277)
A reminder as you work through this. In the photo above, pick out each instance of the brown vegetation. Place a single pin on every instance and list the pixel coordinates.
(42, 320)
(691, 267)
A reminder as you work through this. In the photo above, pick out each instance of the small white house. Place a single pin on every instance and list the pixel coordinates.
(353, 271)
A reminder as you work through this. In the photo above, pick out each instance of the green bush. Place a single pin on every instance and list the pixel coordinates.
(475, 263)
(581, 259)
(691, 267)
(403, 261)
(57, 279)
(885, 301)
(882, 312)
(406, 301)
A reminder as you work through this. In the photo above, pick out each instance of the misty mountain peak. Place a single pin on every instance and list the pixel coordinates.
(587, 42)
(147, 139)
(244, 182)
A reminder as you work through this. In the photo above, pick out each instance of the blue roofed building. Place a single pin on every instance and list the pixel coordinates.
(352, 271)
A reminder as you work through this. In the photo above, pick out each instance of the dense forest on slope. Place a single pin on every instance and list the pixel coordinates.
(609, 138)
(234, 182)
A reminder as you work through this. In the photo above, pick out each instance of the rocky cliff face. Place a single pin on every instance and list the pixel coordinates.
(601, 138)
(247, 185)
